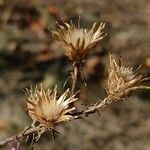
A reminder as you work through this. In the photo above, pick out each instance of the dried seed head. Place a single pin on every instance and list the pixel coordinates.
(45, 108)
(78, 42)
(122, 81)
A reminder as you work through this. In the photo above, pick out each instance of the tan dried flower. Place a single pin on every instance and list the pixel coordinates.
(44, 106)
(122, 81)
(78, 42)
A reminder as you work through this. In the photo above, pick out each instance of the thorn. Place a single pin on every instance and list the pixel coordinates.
(55, 131)
(66, 81)
(98, 112)
(53, 134)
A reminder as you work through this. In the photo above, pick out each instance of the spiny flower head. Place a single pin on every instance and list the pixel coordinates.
(44, 106)
(78, 42)
(122, 81)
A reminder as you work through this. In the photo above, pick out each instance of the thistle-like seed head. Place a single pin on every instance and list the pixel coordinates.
(78, 42)
(44, 106)
(122, 81)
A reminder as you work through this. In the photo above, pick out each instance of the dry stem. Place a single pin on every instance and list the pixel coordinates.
(74, 77)
(31, 130)
(93, 108)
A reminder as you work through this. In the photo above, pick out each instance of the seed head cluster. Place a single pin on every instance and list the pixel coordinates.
(122, 81)
(77, 42)
(48, 109)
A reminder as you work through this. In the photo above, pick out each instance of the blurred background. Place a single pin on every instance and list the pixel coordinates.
(29, 56)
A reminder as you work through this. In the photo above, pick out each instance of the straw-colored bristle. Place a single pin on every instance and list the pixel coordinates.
(78, 42)
(45, 108)
(122, 81)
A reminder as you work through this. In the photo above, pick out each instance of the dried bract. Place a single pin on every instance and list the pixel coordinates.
(122, 81)
(78, 42)
(44, 106)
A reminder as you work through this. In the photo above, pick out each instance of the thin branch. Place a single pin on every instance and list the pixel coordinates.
(93, 108)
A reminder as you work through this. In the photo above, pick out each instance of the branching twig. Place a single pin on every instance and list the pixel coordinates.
(27, 131)
(34, 130)
(19, 136)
